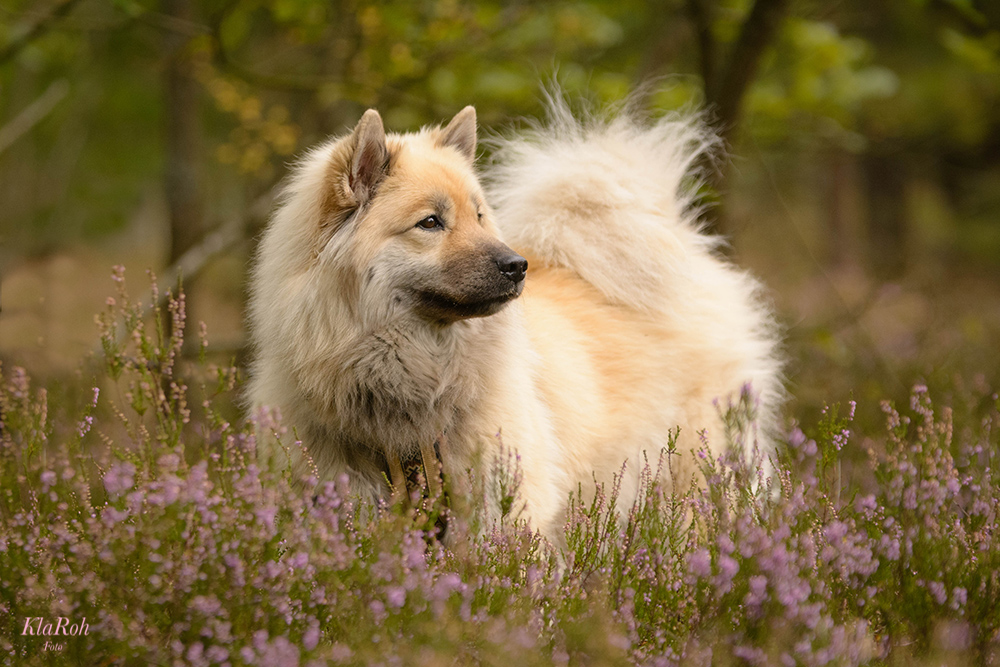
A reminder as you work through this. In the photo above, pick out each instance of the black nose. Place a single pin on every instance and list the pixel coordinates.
(512, 266)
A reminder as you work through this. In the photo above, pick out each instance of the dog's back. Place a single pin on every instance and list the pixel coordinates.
(628, 302)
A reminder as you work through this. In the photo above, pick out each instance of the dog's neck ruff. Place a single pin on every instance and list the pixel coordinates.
(405, 384)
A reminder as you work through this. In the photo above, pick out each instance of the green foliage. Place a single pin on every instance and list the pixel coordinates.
(277, 76)
(816, 72)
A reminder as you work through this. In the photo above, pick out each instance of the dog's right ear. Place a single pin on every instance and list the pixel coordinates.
(370, 162)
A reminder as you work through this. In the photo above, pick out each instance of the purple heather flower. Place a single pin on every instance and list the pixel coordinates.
(217, 654)
(298, 560)
(757, 594)
(700, 563)
(836, 531)
(959, 598)
(341, 652)
(378, 610)
(865, 503)
(194, 653)
(84, 426)
(280, 652)
(208, 605)
(266, 515)
(395, 596)
(311, 637)
(728, 567)
(750, 654)
(447, 584)
(937, 590)
(119, 478)
(260, 640)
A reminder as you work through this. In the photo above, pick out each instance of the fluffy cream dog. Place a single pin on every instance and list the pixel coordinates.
(385, 313)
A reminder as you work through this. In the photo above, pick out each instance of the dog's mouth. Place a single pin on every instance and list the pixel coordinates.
(441, 306)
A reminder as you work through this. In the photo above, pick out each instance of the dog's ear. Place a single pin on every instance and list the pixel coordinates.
(461, 133)
(370, 161)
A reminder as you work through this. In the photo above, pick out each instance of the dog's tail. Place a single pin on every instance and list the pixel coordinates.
(610, 197)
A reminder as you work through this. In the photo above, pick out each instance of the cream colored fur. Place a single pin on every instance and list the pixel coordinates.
(641, 326)
(630, 324)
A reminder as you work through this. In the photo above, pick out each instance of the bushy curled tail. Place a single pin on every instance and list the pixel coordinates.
(611, 197)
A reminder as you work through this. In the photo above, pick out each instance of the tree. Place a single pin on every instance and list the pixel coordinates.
(183, 173)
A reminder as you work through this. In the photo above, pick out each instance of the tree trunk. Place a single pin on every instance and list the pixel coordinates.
(758, 31)
(843, 206)
(183, 176)
(885, 185)
(727, 75)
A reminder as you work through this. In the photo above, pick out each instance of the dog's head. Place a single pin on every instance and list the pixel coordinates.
(405, 217)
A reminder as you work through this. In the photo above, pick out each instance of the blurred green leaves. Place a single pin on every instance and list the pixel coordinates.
(817, 74)
(278, 75)
(982, 55)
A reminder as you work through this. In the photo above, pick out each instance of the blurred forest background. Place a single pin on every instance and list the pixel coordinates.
(861, 181)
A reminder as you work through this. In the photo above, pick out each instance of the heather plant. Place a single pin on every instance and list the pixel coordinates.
(143, 516)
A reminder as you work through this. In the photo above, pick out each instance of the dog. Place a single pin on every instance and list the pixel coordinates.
(572, 310)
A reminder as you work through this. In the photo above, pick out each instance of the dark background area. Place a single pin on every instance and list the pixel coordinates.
(861, 180)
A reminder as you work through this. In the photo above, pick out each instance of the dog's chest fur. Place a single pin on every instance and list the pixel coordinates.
(403, 386)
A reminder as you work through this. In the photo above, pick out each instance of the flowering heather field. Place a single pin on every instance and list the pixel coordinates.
(136, 511)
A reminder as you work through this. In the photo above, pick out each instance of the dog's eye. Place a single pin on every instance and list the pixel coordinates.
(479, 214)
(431, 222)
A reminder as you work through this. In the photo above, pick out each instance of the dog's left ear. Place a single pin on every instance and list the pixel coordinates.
(461, 133)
